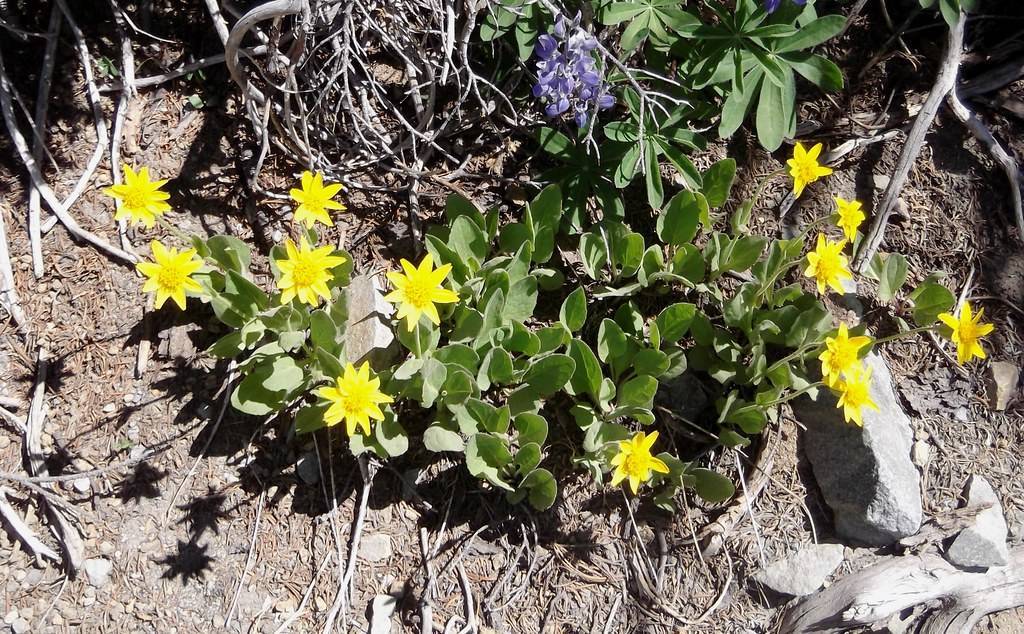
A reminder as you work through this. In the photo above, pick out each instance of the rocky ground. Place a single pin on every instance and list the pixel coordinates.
(200, 521)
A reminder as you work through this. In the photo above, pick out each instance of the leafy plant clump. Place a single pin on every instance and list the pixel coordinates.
(516, 338)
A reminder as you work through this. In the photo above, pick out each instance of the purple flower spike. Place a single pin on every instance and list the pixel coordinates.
(770, 6)
(568, 77)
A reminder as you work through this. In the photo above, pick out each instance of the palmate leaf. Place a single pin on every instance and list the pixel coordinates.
(648, 19)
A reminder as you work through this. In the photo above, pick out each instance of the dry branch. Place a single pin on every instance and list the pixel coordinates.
(39, 141)
(23, 531)
(58, 208)
(1005, 160)
(944, 82)
(875, 594)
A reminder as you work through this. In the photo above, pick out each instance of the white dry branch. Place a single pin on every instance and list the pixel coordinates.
(944, 82)
(874, 595)
(38, 182)
(23, 531)
(39, 141)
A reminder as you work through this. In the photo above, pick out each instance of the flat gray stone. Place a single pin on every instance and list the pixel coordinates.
(802, 572)
(381, 609)
(865, 473)
(97, 571)
(307, 467)
(983, 544)
(375, 547)
(368, 334)
(1002, 383)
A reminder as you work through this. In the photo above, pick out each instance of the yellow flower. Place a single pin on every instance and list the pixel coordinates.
(804, 167)
(855, 394)
(315, 199)
(138, 198)
(967, 330)
(841, 354)
(634, 461)
(306, 272)
(850, 217)
(355, 398)
(419, 289)
(170, 274)
(827, 264)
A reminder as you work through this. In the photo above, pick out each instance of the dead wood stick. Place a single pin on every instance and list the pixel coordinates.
(23, 531)
(8, 291)
(944, 82)
(876, 593)
(981, 132)
(58, 208)
(202, 62)
(59, 515)
(992, 80)
(713, 535)
(39, 141)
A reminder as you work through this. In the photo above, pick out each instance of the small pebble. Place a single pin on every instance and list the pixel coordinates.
(5, 442)
(19, 575)
(20, 626)
(109, 408)
(11, 617)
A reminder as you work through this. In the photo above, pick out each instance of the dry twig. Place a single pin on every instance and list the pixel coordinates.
(944, 82)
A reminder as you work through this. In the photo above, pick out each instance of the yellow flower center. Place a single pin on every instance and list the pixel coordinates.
(829, 265)
(418, 293)
(635, 465)
(356, 398)
(171, 276)
(805, 171)
(968, 332)
(843, 356)
(305, 272)
(134, 199)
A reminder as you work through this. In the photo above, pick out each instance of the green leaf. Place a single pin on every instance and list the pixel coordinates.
(264, 390)
(390, 435)
(675, 320)
(469, 240)
(816, 69)
(812, 34)
(486, 455)
(718, 181)
(521, 300)
(323, 333)
(310, 418)
(546, 210)
(638, 391)
(457, 206)
(594, 253)
(738, 102)
(438, 438)
(531, 428)
(421, 339)
(677, 224)
(573, 313)
(611, 341)
(458, 354)
(712, 486)
(433, 373)
(458, 385)
(230, 252)
(930, 299)
(650, 361)
(549, 374)
(329, 364)
(227, 346)
(586, 378)
(543, 489)
(495, 369)
(890, 270)
(652, 177)
(553, 337)
(527, 458)
(772, 122)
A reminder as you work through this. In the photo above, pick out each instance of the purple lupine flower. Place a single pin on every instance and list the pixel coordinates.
(771, 5)
(568, 78)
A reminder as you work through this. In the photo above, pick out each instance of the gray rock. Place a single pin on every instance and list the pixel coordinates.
(381, 609)
(802, 572)
(983, 544)
(865, 473)
(1001, 383)
(375, 548)
(368, 335)
(97, 571)
(308, 467)
(20, 626)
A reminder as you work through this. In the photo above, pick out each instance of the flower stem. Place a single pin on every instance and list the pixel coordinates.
(798, 393)
(799, 352)
(900, 335)
(764, 182)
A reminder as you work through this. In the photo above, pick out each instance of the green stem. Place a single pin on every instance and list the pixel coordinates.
(900, 335)
(174, 230)
(799, 352)
(798, 393)
(764, 182)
